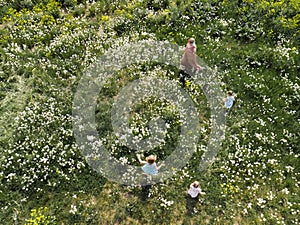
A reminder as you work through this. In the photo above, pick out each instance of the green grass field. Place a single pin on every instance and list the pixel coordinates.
(253, 49)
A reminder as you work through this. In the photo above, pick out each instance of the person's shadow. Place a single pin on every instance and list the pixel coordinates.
(190, 204)
(145, 192)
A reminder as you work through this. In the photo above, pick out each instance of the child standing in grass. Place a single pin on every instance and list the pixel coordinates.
(150, 167)
(193, 197)
(195, 190)
(229, 101)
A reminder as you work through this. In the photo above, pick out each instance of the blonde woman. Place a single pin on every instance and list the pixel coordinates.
(189, 59)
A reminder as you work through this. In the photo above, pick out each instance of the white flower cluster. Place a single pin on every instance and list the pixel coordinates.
(43, 152)
(165, 203)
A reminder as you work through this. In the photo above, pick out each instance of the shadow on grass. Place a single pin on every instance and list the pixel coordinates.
(190, 205)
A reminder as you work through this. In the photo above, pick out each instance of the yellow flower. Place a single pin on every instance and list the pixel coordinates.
(105, 18)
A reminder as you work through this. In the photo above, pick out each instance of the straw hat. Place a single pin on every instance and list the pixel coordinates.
(151, 157)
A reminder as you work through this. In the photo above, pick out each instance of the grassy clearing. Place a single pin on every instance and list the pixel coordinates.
(45, 47)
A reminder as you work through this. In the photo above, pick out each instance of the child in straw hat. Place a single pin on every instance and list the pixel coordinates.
(150, 167)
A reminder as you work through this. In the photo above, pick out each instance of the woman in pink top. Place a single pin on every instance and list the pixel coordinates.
(189, 59)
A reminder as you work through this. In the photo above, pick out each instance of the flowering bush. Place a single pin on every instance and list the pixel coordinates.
(42, 151)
